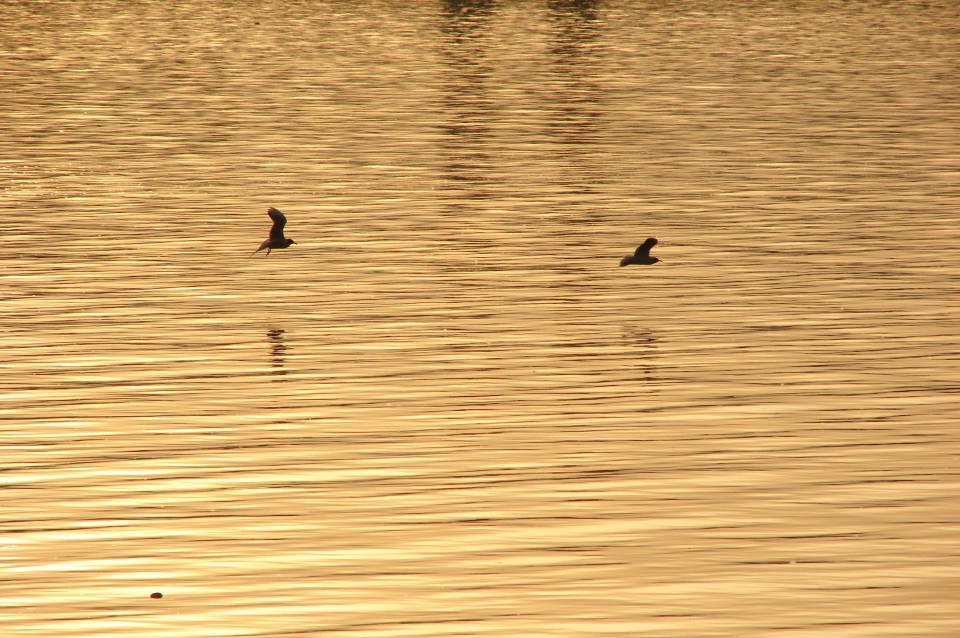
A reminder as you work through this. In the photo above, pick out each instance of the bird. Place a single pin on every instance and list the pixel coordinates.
(276, 239)
(642, 254)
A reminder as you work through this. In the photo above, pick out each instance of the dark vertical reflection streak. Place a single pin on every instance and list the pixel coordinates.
(576, 100)
(466, 98)
(467, 121)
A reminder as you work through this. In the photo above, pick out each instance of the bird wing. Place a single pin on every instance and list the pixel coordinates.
(643, 250)
(279, 221)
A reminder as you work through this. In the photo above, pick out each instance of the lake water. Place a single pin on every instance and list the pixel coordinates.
(446, 411)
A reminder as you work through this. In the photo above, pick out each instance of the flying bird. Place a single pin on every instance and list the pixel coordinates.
(642, 254)
(276, 239)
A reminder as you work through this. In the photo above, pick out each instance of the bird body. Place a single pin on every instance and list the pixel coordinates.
(641, 255)
(276, 240)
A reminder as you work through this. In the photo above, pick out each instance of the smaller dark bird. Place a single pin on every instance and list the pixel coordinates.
(642, 254)
(276, 239)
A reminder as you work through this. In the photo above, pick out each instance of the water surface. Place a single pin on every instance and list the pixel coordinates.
(446, 411)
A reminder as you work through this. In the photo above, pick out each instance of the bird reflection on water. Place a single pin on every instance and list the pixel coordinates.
(642, 343)
(278, 351)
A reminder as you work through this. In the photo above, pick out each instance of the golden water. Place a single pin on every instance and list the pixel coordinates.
(446, 411)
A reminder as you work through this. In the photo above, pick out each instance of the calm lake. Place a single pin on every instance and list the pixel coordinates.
(446, 410)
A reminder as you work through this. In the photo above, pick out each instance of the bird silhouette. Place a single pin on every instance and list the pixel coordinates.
(642, 254)
(276, 239)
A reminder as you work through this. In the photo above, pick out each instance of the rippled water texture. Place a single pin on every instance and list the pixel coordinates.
(446, 411)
